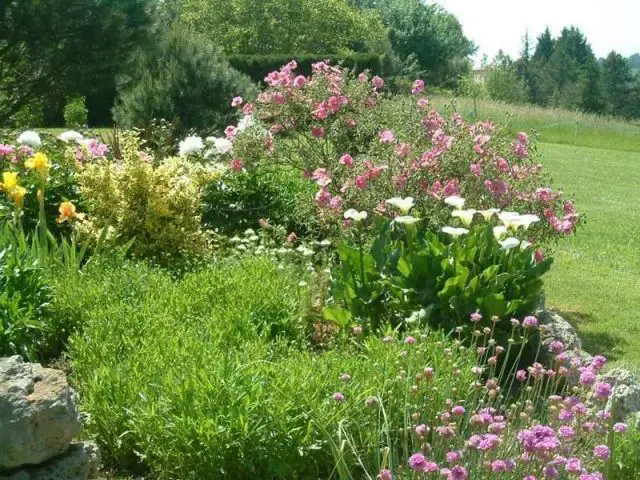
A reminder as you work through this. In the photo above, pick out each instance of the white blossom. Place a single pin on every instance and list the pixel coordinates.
(455, 232)
(402, 204)
(70, 136)
(455, 201)
(31, 138)
(466, 216)
(355, 215)
(190, 146)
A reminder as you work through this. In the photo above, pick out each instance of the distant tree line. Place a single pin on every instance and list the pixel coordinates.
(152, 52)
(564, 72)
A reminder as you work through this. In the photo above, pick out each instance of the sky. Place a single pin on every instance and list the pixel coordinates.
(501, 24)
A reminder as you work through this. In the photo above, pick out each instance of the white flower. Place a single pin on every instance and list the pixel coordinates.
(525, 221)
(246, 122)
(499, 232)
(325, 243)
(221, 145)
(249, 231)
(455, 201)
(355, 215)
(302, 283)
(190, 146)
(306, 252)
(487, 214)
(70, 136)
(31, 138)
(402, 204)
(406, 220)
(456, 232)
(508, 218)
(524, 245)
(417, 316)
(466, 216)
(509, 243)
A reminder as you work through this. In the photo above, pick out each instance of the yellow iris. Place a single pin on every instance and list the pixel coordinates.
(39, 162)
(9, 181)
(68, 212)
(17, 195)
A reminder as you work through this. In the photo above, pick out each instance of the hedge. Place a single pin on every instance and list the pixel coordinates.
(259, 66)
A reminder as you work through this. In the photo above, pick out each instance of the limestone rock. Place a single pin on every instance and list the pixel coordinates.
(38, 414)
(625, 400)
(554, 327)
(78, 463)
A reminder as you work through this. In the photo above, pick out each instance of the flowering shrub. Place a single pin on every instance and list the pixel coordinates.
(360, 147)
(155, 207)
(408, 274)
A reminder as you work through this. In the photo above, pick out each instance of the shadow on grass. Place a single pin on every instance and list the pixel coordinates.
(596, 343)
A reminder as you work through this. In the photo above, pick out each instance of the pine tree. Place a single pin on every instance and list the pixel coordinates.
(618, 84)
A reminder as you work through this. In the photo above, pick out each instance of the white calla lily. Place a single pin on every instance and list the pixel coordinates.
(466, 216)
(455, 232)
(524, 245)
(356, 216)
(499, 231)
(490, 212)
(402, 204)
(525, 221)
(406, 220)
(508, 218)
(509, 243)
(455, 201)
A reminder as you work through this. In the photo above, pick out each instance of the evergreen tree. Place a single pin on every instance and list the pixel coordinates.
(618, 84)
(544, 47)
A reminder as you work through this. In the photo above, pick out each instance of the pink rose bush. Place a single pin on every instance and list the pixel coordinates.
(371, 147)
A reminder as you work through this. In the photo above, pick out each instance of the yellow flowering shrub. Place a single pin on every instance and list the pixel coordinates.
(155, 206)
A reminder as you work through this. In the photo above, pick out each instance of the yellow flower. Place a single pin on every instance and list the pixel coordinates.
(9, 181)
(17, 195)
(67, 212)
(39, 162)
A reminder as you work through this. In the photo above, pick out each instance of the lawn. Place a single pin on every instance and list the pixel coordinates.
(595, 281)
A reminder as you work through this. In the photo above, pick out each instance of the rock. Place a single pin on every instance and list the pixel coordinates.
(38, 414)
(78, 463)
(553, 327)
(625, 400)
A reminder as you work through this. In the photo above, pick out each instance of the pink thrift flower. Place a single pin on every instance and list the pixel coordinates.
(602, 390)
(237, 101)
(336, 202)
(458, 473)
(387, 136)
(587, 378)
(502, 165)
(423, 103)
(476, 317)
(530, 322)
(523, 138)
(323, 197)
(362, 78)
(410, 340)
(418, 87)
(292, 237)
(247, 109)
(339, 397)
(521, 375)
(454, 456)
(421, 430)
(317, 132)
(6, 149)
(346, 160)
(476, 169)
(602, 452)
(377, 82)
(620, 427)
(278, 98)
(361, 182)
(538, 255)
(236, 165)
(385, 474)
(458, 410)
(451, 188)
(299, 81)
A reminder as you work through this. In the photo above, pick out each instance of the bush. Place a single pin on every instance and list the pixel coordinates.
(75, 113)
(154, 207)
(184, 79)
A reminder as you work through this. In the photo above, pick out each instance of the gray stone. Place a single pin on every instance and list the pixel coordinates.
(38, 414)
(553, 327)
(78, 463)
(625, 400)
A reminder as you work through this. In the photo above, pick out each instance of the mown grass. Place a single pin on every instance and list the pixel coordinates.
(595, 281)
(554, 125)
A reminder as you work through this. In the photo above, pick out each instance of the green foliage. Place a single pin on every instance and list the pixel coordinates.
(64, 46)
(155, 208)
(279, 195)
(428, 35)
(183, 80)
(259, 66)
(289, 27)
(504, 82)
(76, 113)
(408, 274)
(618, 84)
(626, 456)
(181, 380)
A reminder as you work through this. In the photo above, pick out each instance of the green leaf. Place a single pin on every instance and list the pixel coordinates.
(339, 315)
(495, 304)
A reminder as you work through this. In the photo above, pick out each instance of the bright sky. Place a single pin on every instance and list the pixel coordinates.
(501, 24)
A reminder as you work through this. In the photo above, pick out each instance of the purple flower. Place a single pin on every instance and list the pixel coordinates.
(521, 375)
(421, 430)
(602, 390)
(371, 402)
(550, 471)
(566, 432)
(556, 347)
(410, 340)
(6, 149)
(587, 378)
(385, 474)
(574, 465)
(458, 410)
(458, 473)
(338, 397)
(620, 427)
(476, 317)
(530, 322)
(418, 463)
(602, 452)
(455, 456)
(345, 377)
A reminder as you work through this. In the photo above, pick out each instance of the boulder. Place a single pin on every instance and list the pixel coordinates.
(553, 327)
(80, 462)
(38, 414)
(625, 400)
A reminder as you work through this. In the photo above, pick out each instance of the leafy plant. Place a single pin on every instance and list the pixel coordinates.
(76, 113)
